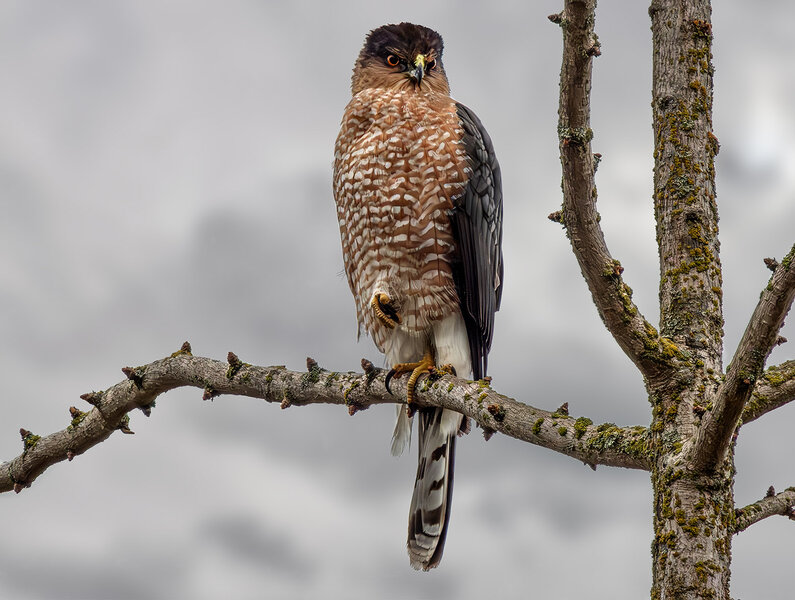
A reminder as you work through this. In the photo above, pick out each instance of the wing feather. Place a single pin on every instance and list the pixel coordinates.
(477, 227)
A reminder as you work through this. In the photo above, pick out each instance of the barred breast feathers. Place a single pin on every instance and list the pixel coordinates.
(395, 176)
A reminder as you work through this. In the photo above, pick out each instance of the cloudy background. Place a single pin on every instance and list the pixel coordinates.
(165, 170)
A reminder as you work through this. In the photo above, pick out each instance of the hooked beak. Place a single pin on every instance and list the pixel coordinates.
(418, 71)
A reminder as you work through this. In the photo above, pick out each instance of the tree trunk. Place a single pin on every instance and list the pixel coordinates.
(694, 504)
(693, 527)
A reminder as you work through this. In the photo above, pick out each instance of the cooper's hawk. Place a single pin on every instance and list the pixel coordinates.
(419, 203)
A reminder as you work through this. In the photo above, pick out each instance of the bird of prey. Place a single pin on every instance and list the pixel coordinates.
(419, 203)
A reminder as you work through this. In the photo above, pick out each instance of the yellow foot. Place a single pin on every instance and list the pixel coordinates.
(416, 369)
(385, 310)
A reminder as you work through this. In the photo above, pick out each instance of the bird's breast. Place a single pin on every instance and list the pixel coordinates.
(399, 163)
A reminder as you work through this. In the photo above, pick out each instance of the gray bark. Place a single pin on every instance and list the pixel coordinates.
(696, 407)
(578, 438)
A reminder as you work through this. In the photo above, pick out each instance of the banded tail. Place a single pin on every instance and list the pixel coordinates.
(429, 514)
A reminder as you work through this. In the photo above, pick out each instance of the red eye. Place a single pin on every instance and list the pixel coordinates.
(431, 65)
(392, 60)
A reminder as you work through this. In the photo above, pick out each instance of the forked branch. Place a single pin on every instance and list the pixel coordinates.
(613, 298)
(746, 367)
(578, 438)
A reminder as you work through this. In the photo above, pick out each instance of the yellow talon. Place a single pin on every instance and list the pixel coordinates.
(382, 307)
(426, 365)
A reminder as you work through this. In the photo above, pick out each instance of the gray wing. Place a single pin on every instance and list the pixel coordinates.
(477, 229)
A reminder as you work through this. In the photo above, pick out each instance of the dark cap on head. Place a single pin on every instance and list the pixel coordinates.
(407, 38)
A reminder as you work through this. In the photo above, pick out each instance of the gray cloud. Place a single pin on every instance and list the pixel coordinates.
(165, 170)
(246, 540)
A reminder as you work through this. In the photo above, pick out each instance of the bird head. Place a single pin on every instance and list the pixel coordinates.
(402, 56)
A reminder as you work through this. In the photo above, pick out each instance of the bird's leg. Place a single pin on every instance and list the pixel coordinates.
(385, 310)
(425, 365)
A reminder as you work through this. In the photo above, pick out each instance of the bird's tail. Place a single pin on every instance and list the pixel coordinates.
(401, 438)
(433, 490)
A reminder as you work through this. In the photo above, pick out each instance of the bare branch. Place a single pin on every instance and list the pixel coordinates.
(613, 298)
(758, 341)
(772, 504)
(775, 388)
(578, 438)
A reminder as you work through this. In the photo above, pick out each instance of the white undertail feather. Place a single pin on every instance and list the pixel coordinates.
(401, 437)
(438, 428)
(452, 344)
(402, 347)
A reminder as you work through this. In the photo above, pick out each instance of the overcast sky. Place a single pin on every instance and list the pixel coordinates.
(165, 170)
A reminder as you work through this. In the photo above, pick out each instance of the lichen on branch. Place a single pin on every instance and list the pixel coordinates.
(577, 438)
(772, 504)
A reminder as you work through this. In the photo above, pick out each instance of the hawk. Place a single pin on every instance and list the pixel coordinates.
(419, 203)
